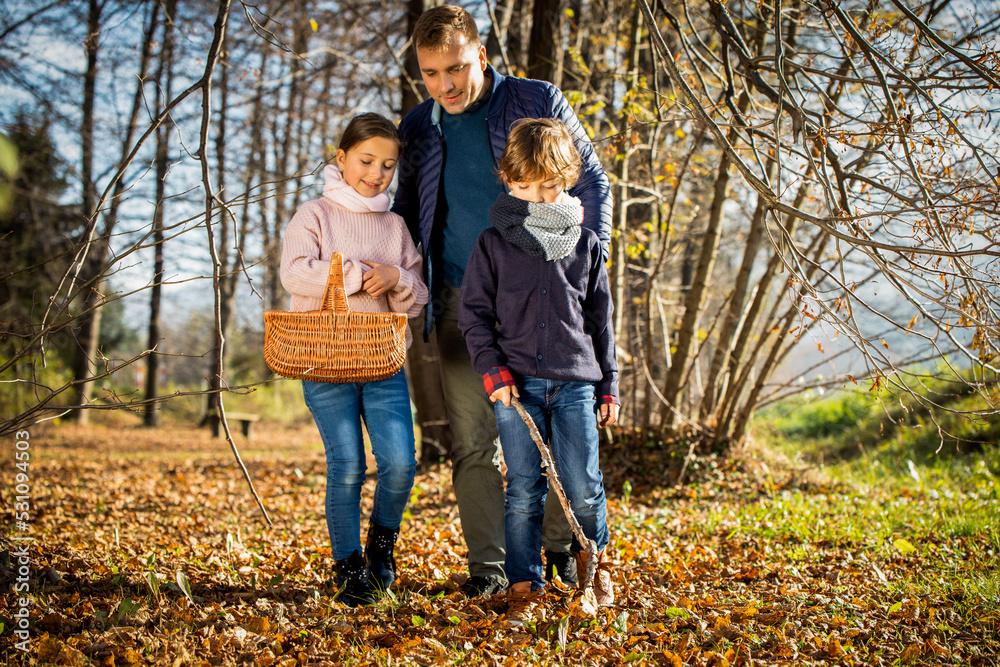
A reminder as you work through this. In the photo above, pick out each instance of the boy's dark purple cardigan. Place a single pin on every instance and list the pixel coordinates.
(544, 319)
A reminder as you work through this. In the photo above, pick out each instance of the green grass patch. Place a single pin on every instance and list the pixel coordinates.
(945, 439)
(912, 488)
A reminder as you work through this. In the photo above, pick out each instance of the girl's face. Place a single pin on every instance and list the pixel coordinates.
(542, 191)
(368, 166)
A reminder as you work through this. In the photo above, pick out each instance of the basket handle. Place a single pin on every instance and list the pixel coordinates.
(335, 297)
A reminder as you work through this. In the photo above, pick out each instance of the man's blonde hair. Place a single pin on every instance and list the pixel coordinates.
(539, 149)
(436, 27)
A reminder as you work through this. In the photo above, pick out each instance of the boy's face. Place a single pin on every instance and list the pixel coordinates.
(542, 191)
(454, 75)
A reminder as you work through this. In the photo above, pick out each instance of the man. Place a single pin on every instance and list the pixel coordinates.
(447, 183)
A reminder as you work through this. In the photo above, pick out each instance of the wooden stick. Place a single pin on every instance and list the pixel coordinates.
(239, 461)
(549, 465)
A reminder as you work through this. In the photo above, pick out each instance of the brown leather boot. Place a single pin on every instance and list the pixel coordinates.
(602, 585)
(522, 604)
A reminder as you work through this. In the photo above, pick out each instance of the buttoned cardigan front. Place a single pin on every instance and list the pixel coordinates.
(546, 319)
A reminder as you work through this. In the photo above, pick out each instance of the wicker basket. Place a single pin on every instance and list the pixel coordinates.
(333, 344)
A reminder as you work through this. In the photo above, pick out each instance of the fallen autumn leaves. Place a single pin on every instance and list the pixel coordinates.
(128, 522)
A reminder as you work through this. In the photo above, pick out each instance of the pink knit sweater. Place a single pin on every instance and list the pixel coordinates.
(321, 227)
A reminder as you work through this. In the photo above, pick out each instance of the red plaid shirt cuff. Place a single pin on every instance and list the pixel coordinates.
(610, 398)
(496, 377)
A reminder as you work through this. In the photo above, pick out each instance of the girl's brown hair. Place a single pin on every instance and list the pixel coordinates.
(364, 126)
(539, 148)
(436, 27)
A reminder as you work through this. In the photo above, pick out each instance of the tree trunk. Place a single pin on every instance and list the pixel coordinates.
(617, 251)
(274, 293)
(717, 376)
(300, 45)
(270, 229)
(496, 41)
(228, 249)
(545, 46)
(409, 97)
(92, 46)
(740, 362)
(695, 300)
(164, 77)
(90, 321)
(777, 351)
(515, 32)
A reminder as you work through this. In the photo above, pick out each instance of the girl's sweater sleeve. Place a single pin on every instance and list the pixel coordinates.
(410, 293)
(303, 271)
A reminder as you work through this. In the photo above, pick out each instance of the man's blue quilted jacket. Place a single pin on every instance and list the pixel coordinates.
(512, 98)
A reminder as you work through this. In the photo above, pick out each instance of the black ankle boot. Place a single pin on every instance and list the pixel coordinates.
(561, 563)
(379, 553)
(351, 580)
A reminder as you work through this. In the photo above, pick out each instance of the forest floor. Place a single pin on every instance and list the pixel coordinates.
(147, 548)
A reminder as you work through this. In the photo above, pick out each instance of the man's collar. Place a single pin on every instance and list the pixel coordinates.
(489, 77)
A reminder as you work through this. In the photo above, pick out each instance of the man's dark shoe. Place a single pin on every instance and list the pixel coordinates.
(351, 580)
(561, 564)
(475, 587)
(380, 554)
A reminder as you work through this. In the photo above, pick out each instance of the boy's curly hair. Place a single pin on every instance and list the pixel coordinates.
(539, 149)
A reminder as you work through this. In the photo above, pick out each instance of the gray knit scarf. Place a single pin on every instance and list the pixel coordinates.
(545, 231)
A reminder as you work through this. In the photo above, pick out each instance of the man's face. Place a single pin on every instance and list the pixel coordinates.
(454, 76)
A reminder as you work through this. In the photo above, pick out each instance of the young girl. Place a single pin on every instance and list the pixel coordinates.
(536, 314)
(382, 270)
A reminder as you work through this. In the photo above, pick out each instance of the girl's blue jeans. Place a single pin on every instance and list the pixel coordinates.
(339, 410)
(565, 416)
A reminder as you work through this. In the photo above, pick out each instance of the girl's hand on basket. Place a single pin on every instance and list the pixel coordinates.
(379, 278)
(503, 394)
(609, 414)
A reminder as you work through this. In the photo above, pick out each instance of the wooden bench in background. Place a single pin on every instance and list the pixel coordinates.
(246, 420)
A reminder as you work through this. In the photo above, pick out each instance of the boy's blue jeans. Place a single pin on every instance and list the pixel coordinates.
(565, 417)
(338, 410)
(475, 452)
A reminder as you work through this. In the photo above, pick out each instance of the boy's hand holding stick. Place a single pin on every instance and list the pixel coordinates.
(549, 464)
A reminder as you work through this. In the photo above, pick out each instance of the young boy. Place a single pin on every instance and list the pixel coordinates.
(536, 315)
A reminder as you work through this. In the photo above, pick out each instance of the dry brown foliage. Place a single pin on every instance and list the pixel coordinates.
(119, 512)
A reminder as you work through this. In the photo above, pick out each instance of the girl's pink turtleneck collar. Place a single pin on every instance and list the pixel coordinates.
(337, 190)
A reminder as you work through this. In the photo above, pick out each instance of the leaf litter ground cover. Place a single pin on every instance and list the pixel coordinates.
(149, 550)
